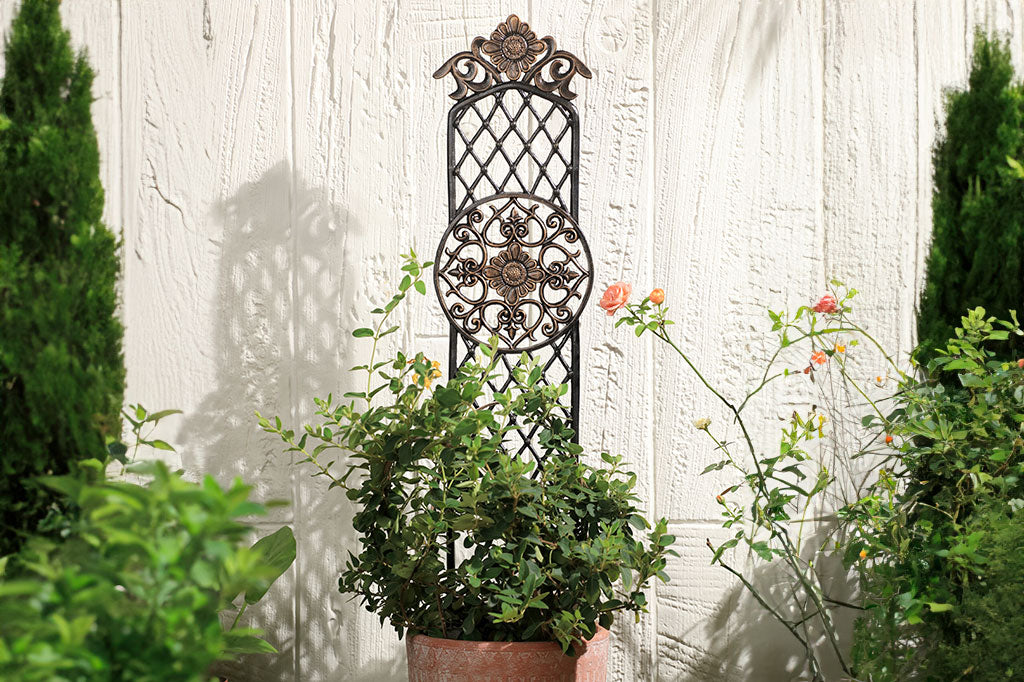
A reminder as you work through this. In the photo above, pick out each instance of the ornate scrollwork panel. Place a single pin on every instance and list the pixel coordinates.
(513, 53)
(515, 267)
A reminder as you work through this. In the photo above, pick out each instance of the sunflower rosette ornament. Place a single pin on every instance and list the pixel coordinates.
(513, 274)
(513, 47)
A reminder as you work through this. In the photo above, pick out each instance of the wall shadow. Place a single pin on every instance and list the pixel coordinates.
(747, 644)
(278, 341)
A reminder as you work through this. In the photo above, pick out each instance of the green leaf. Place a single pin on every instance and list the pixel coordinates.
(728, 544)
(362, 332)
(972, 381)
(447, 397)
(278, 552)
(421, 286)
(937, 607)
(717, 466)
(157, 416)
(238, 643)
(464, 522)
(18, 588)
(66, 485)
(118, 451)
(203, 573)
(1013, 163)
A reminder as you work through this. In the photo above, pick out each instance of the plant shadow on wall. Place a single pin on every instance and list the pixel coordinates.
(747, 644)
(278, 308)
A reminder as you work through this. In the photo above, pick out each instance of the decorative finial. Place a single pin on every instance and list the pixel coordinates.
(512, 50)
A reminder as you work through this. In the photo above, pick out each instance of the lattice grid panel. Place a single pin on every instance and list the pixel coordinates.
(513, 141)
(556, 362)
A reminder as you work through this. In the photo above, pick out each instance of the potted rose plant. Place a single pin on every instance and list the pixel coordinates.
(544, 556)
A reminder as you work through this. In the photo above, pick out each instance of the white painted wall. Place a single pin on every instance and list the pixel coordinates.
(267, 159)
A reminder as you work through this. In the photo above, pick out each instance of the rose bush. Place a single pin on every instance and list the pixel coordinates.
(767, 505)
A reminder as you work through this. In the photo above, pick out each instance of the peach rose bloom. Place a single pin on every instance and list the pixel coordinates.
(657, 296)
(616, 297)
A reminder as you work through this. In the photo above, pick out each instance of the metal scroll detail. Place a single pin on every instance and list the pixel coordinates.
(513, 52)
(515, 267)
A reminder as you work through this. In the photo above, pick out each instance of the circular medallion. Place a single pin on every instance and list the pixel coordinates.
(515, 267)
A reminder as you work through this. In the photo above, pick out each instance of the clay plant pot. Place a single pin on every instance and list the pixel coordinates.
(432, 659)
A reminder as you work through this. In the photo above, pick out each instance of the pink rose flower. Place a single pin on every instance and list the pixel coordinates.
(827, 304)
(616, 297)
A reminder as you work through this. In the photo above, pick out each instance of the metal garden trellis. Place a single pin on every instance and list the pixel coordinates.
(513, 263)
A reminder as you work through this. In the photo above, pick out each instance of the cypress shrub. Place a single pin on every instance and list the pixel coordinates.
(987, 626)
(61, 369)
(977, 250)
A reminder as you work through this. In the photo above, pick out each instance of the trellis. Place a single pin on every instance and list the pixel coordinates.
(513, 263)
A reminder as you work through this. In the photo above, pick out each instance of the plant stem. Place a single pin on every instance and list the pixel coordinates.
(238, 615)
(373, 354)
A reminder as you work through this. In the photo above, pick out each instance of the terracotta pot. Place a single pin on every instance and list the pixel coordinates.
(449, 660)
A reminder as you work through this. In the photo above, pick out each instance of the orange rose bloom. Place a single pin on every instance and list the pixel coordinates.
(863, 554)
(616, 297)
(818, 357)
(657, 296)
(888, 439)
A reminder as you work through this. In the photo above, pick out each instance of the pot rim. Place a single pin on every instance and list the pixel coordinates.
(599, 637)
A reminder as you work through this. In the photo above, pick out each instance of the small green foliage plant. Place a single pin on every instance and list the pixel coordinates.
(938, 530)
(977, 251)
(134, 584)
(542, 553)
(61, 370)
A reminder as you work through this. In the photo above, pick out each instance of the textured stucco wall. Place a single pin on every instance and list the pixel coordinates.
(267, 159)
